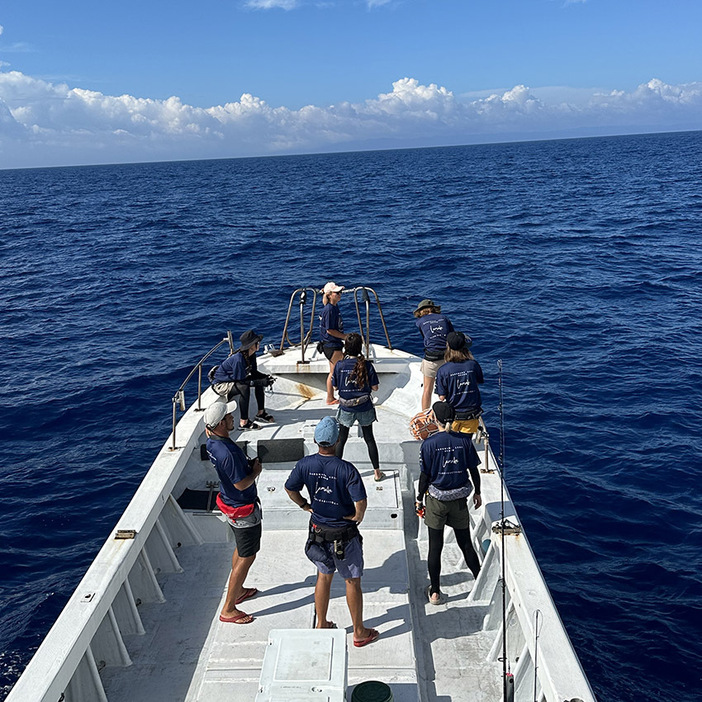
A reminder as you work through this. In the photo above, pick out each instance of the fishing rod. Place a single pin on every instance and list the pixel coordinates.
(507, 677)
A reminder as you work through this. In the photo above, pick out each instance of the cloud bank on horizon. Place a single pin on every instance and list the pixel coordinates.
(44, 123)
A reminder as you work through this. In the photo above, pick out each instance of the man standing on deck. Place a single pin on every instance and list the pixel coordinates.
(446, 458)
(238, 500)
(337, 506)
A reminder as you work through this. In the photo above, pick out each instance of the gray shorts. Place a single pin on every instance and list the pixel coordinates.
(430, 368)
(323, 556)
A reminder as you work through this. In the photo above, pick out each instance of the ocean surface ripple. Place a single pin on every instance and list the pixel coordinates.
(576, 262)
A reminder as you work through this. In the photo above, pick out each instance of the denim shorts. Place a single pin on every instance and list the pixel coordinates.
(347, 418)
(323, 556)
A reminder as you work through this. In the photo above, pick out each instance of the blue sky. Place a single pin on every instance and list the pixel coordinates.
(88, 82)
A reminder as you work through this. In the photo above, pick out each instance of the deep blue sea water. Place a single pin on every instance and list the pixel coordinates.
(576, 262)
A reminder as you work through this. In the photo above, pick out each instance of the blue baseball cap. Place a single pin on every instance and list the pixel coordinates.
(326, 432)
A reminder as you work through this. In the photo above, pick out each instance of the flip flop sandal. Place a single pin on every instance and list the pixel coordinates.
(380, 477)
(248, 592)
(249, 425)
(265, 417)
(241, 618)
(374, 634)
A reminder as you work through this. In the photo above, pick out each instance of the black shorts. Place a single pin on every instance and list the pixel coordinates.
(248, 540)
(329, 351)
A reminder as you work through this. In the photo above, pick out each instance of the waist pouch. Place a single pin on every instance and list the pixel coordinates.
(336, 537)
(470, 414)
(243, 516)
(433, 355)
(353, 401)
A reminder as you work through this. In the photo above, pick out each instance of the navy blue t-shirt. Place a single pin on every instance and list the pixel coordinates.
(434, 328)
(349, 389)
(331, 319)
(458, 383)
(231, 466)
(447, 457)
(232, 369)
(333, 485)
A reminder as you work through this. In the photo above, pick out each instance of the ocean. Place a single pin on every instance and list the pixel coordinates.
(576, 262)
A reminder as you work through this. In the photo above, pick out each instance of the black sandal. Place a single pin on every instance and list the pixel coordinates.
(249, 425)
(264, 417)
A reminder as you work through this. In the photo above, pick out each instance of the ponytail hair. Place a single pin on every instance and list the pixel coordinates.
(353, 347)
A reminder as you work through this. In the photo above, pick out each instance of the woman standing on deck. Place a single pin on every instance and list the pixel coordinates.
(458, 379)
(355, 379)
(331, 331)
(434, 327)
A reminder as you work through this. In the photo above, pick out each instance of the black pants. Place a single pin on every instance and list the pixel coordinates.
(436, 545)
(367, 437)
(243, 390)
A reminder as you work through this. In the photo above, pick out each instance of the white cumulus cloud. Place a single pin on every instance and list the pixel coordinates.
(44, 123)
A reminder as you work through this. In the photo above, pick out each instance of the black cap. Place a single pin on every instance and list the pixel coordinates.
(458, 341)
(443, 412)
(249, 338)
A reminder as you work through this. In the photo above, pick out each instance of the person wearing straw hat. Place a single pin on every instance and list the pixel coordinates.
(237, 374)
(239, 503)
(434, 328)
(331, 332)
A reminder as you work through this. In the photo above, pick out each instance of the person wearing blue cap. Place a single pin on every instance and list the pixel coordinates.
(458, 379)
(337, 505)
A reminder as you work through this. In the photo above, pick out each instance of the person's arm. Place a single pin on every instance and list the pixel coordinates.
(423, 487)
(374, 388)
(424, 477)
(337, 334)
(360, 511)
(475, 476)
(250, 479)
(299, 500)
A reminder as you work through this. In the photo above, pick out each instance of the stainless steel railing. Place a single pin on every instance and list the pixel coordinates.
(179, 397)
(306, 333)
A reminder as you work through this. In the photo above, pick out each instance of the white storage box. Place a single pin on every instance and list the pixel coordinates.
(303, 665)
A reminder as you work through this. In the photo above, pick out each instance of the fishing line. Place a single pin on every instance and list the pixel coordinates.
(507, 677)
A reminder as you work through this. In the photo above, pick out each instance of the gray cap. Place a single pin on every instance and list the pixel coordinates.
(424, 304)
(215, 413)
(326, 433)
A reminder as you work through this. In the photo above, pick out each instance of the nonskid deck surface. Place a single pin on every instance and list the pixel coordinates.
(188, 654)
(425, 652)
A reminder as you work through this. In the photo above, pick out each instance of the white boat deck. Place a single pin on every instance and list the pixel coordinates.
(144, 623)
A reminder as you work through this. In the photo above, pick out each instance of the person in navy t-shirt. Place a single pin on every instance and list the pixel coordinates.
(458, 379)
(238, 374)
(238, 500)
(446, 460)
(355, 378)
(434, 328)
(331, 332)
(337, 504)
